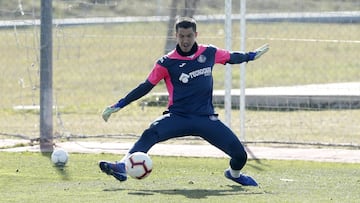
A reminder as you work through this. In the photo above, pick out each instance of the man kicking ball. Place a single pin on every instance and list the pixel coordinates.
(187, 73)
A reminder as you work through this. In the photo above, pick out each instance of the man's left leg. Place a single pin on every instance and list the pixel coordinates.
(218, 134)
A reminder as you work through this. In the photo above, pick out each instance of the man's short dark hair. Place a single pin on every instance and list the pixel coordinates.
(185, 22)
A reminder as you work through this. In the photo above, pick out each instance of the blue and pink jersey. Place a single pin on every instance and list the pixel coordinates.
(189, 79)
(189, 82)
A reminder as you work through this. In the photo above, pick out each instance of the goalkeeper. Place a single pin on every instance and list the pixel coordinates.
(187, 72)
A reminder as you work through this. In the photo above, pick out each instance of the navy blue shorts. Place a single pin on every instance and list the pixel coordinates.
(210, 128)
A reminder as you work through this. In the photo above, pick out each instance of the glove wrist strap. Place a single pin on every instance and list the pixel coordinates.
(120, 104)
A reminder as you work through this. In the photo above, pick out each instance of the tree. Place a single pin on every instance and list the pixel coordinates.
(188, 11)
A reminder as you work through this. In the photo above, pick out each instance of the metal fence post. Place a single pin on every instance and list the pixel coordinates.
(46, 92)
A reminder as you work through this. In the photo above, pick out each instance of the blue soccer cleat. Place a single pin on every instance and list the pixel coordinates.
(243, 179)
(117, 169)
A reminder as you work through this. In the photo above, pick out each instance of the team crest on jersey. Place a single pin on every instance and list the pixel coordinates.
(201, 59)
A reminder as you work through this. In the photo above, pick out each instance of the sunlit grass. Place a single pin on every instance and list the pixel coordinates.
(30, 177)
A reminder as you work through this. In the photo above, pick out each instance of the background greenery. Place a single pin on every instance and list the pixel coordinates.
(96, 65)
(76, 8)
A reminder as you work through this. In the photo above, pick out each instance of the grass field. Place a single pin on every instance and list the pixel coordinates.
(30, 177)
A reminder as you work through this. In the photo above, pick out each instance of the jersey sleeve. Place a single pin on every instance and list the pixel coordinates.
(157, 74)
(222, 56)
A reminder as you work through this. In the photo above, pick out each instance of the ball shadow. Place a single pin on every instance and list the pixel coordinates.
(61, 170)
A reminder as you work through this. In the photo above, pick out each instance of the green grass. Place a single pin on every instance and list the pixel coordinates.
(30, 177)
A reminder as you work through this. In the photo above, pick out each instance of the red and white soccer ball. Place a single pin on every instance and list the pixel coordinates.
(138, 165)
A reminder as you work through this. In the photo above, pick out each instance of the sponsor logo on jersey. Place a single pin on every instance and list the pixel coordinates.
(184, 78)
(204, 71)
(162, 59)
(182, 65)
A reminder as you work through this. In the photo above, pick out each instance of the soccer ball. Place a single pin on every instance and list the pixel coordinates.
(138, 165)
(59, 157)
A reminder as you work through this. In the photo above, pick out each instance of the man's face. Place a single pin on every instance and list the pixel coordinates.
(186, 38)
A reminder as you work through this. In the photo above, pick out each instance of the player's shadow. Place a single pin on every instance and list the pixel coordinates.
(194, 193)
(61, 170)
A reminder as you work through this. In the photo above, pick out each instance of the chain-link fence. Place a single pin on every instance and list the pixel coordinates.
(102, 49)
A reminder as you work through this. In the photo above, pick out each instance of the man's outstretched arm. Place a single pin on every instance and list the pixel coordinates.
(239, 57)
(135, 94)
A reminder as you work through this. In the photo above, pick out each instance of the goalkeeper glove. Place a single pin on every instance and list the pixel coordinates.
(258, 52)
(112, 109)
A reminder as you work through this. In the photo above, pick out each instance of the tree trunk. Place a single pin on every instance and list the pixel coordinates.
(170, 40)
(190, 8)
(189, 11)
